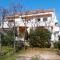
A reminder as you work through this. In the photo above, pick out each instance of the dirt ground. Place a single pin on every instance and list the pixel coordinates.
(42, 54)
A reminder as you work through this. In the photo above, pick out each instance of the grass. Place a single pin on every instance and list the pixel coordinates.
(6, 57)
(10, 55)
(7, 53)
(6, 48)
(35, 58)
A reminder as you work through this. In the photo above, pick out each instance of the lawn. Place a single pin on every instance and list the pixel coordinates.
(5, 57)
(8, 53)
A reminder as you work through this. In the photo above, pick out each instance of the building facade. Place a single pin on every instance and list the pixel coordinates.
(32, 19)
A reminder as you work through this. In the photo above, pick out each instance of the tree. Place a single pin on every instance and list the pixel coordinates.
(7, 40)
(3, 14)
(40, 37)
(57, 43)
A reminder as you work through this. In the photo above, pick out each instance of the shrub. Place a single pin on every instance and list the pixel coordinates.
(19, 45)
(59, 45)
(40, 37)
(56, 45)
(7, 39)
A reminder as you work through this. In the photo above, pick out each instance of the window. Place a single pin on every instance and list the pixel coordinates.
(38, 20)
(44, 19)
(56, 24)
(10, 23)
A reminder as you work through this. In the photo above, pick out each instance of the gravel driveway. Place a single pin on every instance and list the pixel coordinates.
(42, 54)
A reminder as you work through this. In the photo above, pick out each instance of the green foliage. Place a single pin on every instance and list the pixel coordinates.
(19, 45)
(21, 34)
(6, 50)
(7, 53)
(57, 44)
(35, 58)
(40, 37)
(8, 38)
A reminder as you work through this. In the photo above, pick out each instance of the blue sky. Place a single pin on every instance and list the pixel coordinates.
(35, 4)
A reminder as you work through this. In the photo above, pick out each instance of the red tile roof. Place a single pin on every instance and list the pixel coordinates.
(29, 13)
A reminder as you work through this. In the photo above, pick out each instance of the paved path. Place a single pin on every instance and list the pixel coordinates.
(40, 53)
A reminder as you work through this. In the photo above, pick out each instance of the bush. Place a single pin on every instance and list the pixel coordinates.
(57, 45)
(40, 37)
(19, 45)
(8, 38)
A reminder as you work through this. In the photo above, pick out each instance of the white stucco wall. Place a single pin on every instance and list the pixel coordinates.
(19, 22)
(33, 23)
(5, 25)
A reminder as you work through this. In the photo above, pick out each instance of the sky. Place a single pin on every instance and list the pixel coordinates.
(34, 5)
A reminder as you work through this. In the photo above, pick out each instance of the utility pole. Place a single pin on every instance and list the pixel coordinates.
(25, 34)
(14, 36)
(0, 43)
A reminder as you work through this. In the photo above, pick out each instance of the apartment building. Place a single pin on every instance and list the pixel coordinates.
(32, 19)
